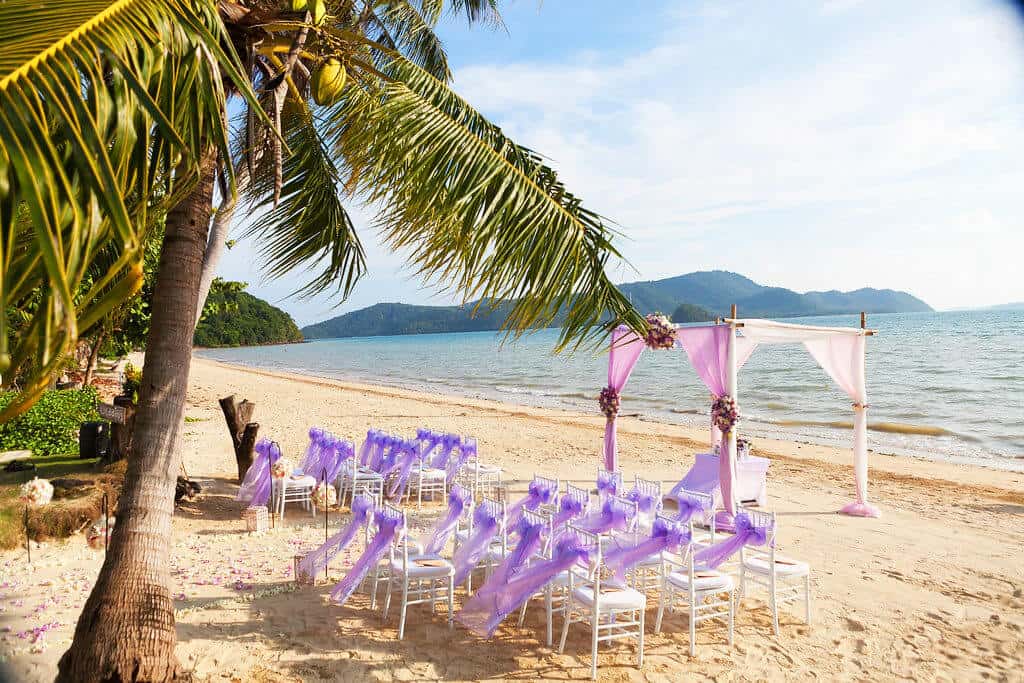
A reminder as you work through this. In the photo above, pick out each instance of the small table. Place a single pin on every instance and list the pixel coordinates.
(751, 478)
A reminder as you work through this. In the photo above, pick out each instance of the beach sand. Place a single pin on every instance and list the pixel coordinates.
(931, 591)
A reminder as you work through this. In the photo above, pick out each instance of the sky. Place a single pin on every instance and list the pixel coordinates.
(821, 145)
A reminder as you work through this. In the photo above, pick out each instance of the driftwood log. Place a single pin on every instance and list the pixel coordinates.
(238, 414)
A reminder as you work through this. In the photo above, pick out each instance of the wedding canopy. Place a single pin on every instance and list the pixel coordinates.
(718, 351)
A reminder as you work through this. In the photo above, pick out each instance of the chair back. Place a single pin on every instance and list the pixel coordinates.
(761, 518)
(649, 487)
(632, 511)
(580, 494)
(546, 521)
(615, 477)
(707, 503)
(592, 574)
(554, 485)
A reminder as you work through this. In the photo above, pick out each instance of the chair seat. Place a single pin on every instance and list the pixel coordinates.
(560, 580)
(430, 473)
(784, 566)
(424, 571)
(704, 580)
(293, 482)
(612, 598)
(482, 468)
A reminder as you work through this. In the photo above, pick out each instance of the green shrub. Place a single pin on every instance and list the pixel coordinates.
(50, 427)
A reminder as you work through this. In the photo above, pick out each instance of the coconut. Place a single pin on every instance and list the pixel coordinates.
(299, 5)
(328, 82)
(319, 11)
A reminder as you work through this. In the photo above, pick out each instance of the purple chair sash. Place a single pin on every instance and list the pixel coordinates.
(316, 561)
(484, 615)
(607, 484)
(343, 452)
(467, 450)
(569, 508)
(537, 494)
(369, 447)
(448, 444)
(256, 486)
(614, 516)
(459, 499)
(407, 457)
(645, 502)
(485, 526)
(690, 506)
(746, 534)
(388, 528)
(428, 442)
(311, 461)
(664, 536)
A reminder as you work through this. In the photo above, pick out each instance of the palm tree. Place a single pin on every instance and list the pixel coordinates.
(112, 112)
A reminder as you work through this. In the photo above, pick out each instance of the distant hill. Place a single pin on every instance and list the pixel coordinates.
(233, 317)
(688, 313)
(707, 293)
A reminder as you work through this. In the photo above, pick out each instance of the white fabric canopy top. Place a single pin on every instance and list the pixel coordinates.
(840, 352)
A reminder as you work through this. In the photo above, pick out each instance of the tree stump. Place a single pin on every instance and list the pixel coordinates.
(243, 432)
(121, 433)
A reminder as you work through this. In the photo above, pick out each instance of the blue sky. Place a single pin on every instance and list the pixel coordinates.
(810, 145)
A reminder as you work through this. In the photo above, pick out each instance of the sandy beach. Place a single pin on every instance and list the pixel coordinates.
(934, 590)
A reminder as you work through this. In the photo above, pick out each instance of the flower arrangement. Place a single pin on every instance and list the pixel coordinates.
(660, 332)
(725, 413)
(36, 492)
(94, 537)
(281, 468)
(324, 495)
(744, 445)
(609, 402)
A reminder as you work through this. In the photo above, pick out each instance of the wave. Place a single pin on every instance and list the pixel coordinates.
(887, 427)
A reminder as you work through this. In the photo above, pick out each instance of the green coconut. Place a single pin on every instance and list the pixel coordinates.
(328, 82)
(319, 12)
(299, 5)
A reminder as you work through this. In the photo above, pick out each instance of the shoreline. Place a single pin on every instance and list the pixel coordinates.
(694, 438)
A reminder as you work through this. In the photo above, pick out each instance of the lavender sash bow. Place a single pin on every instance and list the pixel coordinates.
(485, 526)
(458, 499)
(343, 451)
(569, 508)
(316, 561)
(255, 488)
(746, 534)
(664, 536)
(645, 503)
(607, 484)
(428, 442)
(614, 516)
(537, 494)
(467, 450)
(448, 444)
(408, 454)
(484, 616)
(369, 447)
(690, 506)
(388, 527)
(311, 461)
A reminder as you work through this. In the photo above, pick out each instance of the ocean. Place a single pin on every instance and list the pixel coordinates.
(946, 386)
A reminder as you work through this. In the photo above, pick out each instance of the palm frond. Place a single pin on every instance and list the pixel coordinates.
(309, 227)
(104, 109)
(405, 29)
(478, 211)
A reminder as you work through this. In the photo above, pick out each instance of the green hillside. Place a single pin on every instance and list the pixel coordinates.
(233, 317)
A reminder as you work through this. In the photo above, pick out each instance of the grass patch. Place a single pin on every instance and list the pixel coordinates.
(71, 509)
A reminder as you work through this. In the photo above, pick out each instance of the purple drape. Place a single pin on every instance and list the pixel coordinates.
(459, 499)
(316, 561)
(569, 508)
(311, 460)
(625, 351)
(607, 484)
(646, 503)
(448, 443)
(746, 534)
(689, 506)
(369, 447)
(388, 527)
(256, 486)
(467, 450)
(483, 605)
(343, 451)
(668, 536)
(538, 493)
(485, 527)
(613, 516)
(408, 454)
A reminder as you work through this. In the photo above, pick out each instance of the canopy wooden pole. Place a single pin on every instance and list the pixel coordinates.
(733, 316)
(863, 320)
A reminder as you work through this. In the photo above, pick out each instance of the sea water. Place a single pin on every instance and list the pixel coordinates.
(946, 385)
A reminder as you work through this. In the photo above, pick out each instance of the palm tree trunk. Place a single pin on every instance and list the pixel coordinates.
(219, 232)
(126, 630)
(94, 355)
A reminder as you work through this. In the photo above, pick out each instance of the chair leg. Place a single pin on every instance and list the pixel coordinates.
(405, 601)
(522, 614)
(732, 618)
(595, 620)
(548, 599)
(693, 626)
(807, 598)
(775, 610)
(662, 596)
(640, 638)
(387, 598)
(565, 626)
(376, 581)
(451, 601)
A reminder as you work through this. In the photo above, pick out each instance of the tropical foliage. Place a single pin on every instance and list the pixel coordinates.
(233, 317)
(50, 427)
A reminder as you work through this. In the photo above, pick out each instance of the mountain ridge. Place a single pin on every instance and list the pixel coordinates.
(715, 291)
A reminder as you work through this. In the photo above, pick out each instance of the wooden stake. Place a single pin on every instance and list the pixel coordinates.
(733, 311)
(863, 320)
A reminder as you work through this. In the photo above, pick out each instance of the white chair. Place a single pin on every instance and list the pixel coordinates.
(579, 494)
(616, 476)
(648, 487)
(613, 613)
(784, 578)
(554, 484)
(481, 478)
(697, 590)
(293, 489)
(356, 478)
(498, 547)
(424, 479)
(556, 592)
(424, 579)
